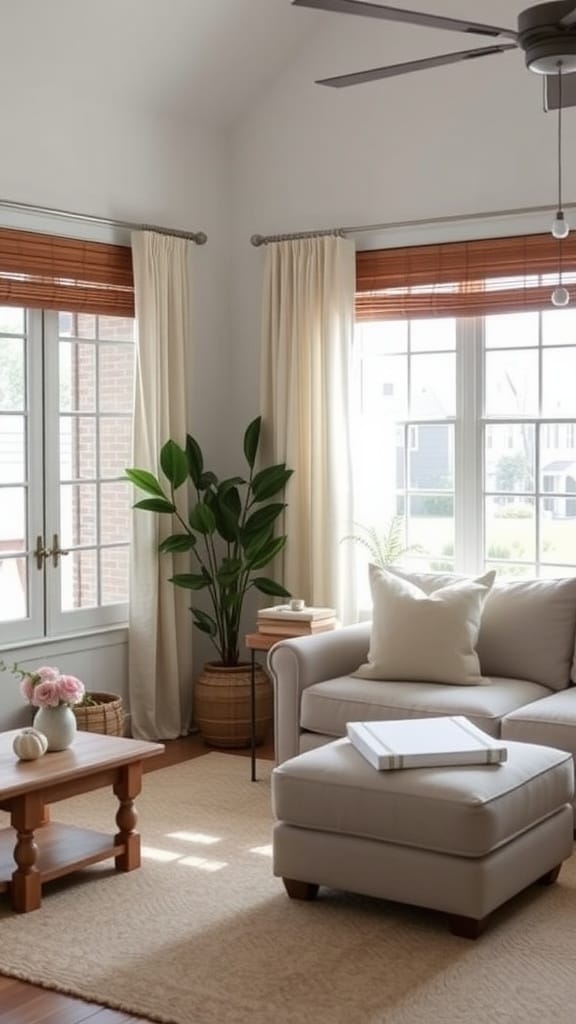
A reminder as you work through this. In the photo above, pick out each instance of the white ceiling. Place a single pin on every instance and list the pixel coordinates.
(205, 57)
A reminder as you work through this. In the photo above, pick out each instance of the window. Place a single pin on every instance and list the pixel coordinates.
(66, 391)
(476, 451)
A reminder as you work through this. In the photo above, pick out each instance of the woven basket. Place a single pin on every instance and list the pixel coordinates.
(107, 716)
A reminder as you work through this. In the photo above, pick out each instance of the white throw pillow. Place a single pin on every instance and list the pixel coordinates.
(424, 637)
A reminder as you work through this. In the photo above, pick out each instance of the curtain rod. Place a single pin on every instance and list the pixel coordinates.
(194, 236)
(259, 240)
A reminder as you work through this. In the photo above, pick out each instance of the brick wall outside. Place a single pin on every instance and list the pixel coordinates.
(102, 376)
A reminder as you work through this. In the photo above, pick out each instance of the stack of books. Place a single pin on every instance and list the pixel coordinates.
(282, 620)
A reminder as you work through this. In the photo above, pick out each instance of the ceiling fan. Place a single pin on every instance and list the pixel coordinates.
(546, 33)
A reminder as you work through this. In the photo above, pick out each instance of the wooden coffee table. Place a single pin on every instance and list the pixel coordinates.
(35, 850)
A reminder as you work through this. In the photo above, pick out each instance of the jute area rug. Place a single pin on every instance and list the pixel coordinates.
(204, 934)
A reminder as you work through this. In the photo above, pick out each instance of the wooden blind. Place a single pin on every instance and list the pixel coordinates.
(51, 272)
(495, 275)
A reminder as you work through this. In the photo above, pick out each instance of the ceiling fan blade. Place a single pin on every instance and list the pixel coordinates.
(568, 20)
(411, 17)
(374, 74)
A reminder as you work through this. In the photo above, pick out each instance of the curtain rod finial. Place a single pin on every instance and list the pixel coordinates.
(257, 240)
(200, 238)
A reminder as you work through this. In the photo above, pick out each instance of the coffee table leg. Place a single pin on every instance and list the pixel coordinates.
(25, 888)
(126, 788)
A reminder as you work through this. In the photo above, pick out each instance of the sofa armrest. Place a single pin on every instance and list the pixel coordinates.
(301, 661)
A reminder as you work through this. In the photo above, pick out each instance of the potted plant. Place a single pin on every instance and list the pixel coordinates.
(229, 532)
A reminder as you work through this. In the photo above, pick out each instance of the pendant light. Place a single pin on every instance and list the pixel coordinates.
(560, 227)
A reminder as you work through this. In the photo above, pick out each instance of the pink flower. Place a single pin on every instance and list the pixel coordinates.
(46, 673)
(71, 689)
(46, 694)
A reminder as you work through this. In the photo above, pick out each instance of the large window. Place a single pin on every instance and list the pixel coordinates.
(466, 424)
(66, 386)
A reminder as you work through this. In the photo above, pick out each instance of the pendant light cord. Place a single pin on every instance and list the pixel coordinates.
(560, 213)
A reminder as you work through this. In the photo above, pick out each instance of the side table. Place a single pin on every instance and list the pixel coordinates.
(257, 642)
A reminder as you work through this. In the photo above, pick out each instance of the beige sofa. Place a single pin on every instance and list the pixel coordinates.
(526, 652)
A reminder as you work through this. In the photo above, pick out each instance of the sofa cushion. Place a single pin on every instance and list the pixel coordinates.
(326, 707)
(528, 627)
(551, 721)
(421, 636)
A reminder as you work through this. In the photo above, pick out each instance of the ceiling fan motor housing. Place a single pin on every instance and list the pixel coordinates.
(547, 45)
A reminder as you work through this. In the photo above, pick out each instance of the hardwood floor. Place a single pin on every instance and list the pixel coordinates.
(21, 1003)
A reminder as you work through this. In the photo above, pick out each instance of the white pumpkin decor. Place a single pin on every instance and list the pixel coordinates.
(30, 744)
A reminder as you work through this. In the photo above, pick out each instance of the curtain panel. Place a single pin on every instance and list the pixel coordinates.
(160, 634)
(307, 329)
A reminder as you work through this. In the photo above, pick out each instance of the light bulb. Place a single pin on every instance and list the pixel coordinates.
(560, 296)
(560, 227)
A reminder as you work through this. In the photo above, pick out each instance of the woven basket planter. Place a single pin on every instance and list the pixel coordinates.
(107, 716)
(222, 699)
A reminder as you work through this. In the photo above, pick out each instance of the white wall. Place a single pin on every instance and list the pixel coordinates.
(114, 163)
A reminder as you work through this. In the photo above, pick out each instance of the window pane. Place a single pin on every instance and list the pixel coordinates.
(115, 445)
(12, 519)
(115, 378)
(13, 589)
(558, 379)
(431, 524)
(558, 457)
(510, 529)
(511, 383)
(383, 337)
(557, 530)
(77, 447)
(509, 457)
(12, 320)
(433, 335)
(433, 386)
(114, 575)
(114, 512)
(77, 325)
(78, 523)
(431, 457)
(505, 570)
(77, 377)
(79, 580)
(12, 375)
(559, 327)
(509, 330)
(12, 451)
(116, 328)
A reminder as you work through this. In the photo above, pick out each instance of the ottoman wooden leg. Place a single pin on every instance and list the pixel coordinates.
(466, 927)
(300, 890)
(550, 877)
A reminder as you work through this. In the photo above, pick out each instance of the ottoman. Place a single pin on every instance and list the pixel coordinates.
(462, 840)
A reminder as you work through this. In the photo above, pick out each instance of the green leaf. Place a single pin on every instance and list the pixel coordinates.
(227, 509)
(191, 580)
(269, 482)
(262, 517)
(156, 505)
(174, 463)
(145, 481)
(178, 542)
(202, 519)
(229, 571)
(267, 586)
(267, 553)
(204, 622)
(207, 480)
(251, 441)
(195, 460)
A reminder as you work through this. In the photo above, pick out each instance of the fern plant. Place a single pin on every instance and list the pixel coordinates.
(386, 546)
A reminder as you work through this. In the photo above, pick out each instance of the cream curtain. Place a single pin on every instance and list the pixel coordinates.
(160, 637)
(307, 322)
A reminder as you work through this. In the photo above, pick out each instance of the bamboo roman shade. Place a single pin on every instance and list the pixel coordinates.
(69, 274)
(476, 278)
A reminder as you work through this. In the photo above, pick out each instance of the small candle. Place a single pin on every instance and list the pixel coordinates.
(297, 604)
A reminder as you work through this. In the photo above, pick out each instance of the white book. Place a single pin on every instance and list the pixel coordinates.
(421, 742)
(284, 613)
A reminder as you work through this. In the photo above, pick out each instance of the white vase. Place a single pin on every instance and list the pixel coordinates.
(58, 725)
